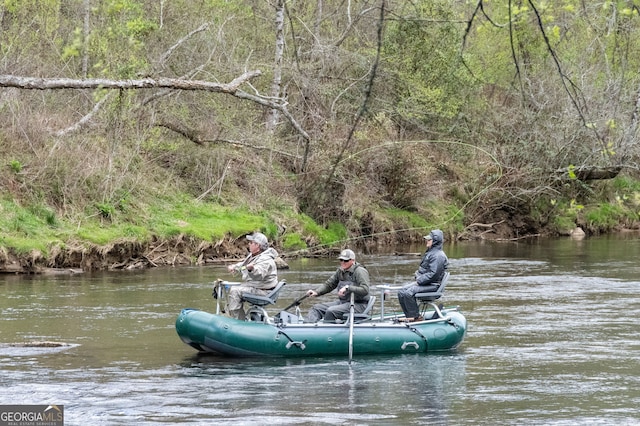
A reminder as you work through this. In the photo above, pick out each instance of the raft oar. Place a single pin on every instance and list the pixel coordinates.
(351, 316)
(295, 303)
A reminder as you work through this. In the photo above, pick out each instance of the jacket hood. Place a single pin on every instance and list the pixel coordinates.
(271, 252)
(438, 238)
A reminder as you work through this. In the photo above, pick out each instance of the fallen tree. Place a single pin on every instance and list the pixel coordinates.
(232, 88)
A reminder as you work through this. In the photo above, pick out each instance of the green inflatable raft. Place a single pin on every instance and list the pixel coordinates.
(286, 336)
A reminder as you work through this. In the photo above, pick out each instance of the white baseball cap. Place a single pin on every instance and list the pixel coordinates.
(347, 255)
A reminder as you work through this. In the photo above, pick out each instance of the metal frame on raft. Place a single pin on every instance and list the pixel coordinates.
(259, 313)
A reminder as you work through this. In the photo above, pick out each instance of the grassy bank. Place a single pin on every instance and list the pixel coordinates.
(36, 234)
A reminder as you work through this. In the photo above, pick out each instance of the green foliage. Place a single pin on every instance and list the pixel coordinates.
(106, 210)
(428, 82)
(293, 241)
(527, 108)
(565, 214)
(605, 217)
(334, 232)
(626, 195)
(16, 166)
(626, 185)
(74, 46)
(563, 224)
(124, 25)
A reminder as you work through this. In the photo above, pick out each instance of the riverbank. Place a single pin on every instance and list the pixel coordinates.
(185, 251)
(179, 231)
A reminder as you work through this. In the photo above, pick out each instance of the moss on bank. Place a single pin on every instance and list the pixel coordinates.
(188, 232)
(184, 231)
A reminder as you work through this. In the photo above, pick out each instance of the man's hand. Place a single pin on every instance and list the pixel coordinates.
(343, 291)
(311, 293)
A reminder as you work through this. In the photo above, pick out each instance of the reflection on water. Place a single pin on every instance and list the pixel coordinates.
(373, 390)
(552, 339)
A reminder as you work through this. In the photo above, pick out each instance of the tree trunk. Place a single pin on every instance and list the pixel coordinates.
(276, 88)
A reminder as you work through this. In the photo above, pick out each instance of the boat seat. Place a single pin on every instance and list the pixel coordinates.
(426, 299)
(258, 302)
(269, 299)
(364, 315)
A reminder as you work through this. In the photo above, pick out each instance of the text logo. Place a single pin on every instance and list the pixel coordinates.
(31, 415)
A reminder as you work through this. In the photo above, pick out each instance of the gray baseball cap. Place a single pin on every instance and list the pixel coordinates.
(347, 255)
(260, 239)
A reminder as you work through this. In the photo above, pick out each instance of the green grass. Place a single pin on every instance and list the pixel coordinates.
(605, 216)
(446, 217)
(293, 241)
(626, 185)
(25, 229)
(204, 221)
(334, 233)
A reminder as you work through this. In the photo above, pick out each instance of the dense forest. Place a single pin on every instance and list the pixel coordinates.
(315, 121)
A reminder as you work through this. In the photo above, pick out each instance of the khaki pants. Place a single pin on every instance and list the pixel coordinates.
(234, 306)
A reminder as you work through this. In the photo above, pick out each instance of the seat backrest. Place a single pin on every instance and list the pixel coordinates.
(269, 299)
(437, 293)
(364, 315)
(443, 283)
(370, 303)
(273, 294)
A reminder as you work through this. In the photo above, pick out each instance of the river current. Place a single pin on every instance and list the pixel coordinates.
(552, 339)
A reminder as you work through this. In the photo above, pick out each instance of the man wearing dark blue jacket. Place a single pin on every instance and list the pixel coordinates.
(428, 276)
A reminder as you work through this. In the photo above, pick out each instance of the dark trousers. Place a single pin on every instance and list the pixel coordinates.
(333, 310)
(408, 302)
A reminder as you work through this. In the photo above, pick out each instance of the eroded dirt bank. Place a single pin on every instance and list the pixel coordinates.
(129, 254)
(123, 254)
(182, 250)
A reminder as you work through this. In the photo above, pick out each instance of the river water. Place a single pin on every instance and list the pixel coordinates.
(552, 339)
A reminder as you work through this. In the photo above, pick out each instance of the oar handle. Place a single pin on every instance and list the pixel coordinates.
(296, 302)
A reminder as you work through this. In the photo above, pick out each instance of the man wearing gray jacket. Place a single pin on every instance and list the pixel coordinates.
(259, 273)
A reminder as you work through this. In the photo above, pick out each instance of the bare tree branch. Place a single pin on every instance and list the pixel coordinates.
(632, 131)
(36, 83)
(276, 84)
(572, 90)
(363, 107)
(467, 32)
(232, 88)
(352, 24)
(169, 51)
(513, 49)
(276, 105)
(193, 136)
(181, 130)
(84, 120)
(251, 146)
